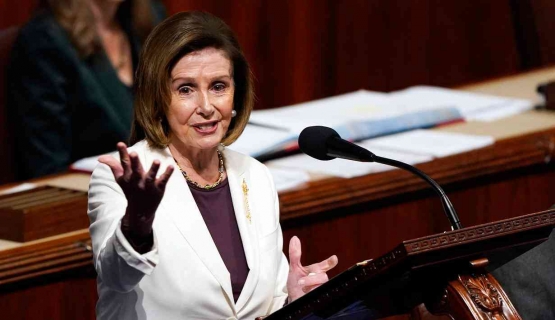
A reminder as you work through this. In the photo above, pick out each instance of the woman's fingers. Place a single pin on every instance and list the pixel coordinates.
(164, 177)
(151, 174)
(323, 266)
(114, 165)
(137, 171)
(124, 159)
(313, 280)
(304, 279)
(295, 253)
(310, 288)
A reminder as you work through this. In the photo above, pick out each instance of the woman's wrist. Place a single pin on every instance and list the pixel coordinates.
(141, 244)
(137, 225)
(142, 241)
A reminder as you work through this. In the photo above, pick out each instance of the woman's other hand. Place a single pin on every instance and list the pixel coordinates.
(304, 279)
(143, 192)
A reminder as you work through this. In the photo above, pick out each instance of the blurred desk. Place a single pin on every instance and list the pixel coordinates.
(356, 219)
(521, 85)
(49, 278)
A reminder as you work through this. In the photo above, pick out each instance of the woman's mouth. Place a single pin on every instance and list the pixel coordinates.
(206, 128)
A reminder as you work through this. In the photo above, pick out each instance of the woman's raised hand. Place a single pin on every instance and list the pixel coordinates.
(303, 279)
(142, 190)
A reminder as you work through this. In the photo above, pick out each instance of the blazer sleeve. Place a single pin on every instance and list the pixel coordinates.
(280, 292)
(39, 77)
(117, 264)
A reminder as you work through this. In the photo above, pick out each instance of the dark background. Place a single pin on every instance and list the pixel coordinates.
(308, 49)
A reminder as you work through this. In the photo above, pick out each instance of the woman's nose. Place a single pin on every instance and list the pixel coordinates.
(205, 106)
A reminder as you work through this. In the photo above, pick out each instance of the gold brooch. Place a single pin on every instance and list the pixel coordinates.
(246, 200)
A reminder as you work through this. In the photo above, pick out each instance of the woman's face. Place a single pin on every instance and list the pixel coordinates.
(202, 91)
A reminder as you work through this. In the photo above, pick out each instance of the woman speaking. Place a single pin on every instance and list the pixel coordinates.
(203, 242)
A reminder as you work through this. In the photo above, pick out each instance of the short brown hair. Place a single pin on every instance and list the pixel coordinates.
(174, 38)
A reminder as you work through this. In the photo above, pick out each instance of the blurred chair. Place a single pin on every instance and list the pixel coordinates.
(7, 143)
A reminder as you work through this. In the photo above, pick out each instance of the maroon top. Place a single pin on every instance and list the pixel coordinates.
(216, 208)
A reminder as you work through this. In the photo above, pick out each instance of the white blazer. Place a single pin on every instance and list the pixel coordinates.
(183, 276)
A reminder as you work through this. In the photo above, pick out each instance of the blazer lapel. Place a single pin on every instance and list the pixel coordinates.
(238, 179)
(180, 205)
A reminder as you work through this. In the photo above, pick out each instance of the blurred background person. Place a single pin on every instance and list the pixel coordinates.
(70, 79)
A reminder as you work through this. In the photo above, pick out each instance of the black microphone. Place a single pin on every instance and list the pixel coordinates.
(324, 143)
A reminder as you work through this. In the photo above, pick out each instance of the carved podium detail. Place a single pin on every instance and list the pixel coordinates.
(483, 293)
(475, 295)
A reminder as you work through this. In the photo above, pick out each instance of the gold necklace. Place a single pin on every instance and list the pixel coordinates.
(208, 186)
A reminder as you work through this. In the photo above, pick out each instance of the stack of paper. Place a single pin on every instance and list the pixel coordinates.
(436, 144)
(473, 106)
(288, 178)
(86, 164)
(257, 140)
(355, 116)
(411, 147)
(344, 168)
(331, 112)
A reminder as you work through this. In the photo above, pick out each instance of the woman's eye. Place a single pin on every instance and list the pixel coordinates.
(184, 90)
(219, 87)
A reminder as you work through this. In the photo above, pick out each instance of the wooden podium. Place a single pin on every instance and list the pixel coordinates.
(443, 274)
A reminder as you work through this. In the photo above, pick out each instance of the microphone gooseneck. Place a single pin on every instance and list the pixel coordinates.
(447, 205)
(324, 143)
